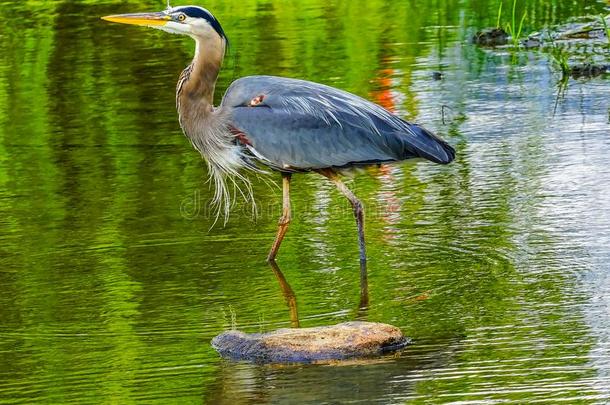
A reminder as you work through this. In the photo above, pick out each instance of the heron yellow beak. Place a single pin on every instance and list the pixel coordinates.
(144, 19)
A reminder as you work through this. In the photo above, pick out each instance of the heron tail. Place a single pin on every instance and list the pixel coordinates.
(420, 142)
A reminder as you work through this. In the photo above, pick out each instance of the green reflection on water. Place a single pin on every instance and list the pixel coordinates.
(110, 293)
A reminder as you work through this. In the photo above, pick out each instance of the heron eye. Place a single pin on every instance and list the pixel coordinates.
(182, 17)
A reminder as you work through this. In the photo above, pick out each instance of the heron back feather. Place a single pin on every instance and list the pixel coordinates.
(306, 125)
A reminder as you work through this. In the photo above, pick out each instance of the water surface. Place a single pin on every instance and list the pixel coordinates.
(113, 283)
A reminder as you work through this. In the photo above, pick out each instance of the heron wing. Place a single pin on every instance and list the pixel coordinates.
(303, 125)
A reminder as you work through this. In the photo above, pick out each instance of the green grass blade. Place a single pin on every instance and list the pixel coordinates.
(514, 12)
(521, 25)
(499, 15)
(606, 27)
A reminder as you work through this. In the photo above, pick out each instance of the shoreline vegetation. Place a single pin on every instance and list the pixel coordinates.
(579, 49)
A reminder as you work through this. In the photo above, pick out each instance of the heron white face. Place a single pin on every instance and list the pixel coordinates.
(194, 21)
(183, 24)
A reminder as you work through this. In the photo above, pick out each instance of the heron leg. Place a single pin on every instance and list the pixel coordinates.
(359, 214)
(284, 219)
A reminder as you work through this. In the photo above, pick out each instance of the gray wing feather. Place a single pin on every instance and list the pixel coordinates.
(304, 125)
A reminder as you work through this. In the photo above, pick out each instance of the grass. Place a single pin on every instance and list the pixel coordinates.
(560, 58)
(499, 16)
(512, 28)
(606, 28)
(233, 315)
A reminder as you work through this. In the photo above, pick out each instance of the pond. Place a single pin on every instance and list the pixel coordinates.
(114, 279)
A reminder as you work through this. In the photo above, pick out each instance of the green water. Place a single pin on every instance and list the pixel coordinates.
(112, 283)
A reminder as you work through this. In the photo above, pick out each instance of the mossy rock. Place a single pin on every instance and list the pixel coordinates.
(588, 70)
(491, 37)
(337, 342)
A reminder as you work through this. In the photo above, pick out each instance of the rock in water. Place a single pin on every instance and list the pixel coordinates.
(491, 37)
(588, 70)
(342, 341)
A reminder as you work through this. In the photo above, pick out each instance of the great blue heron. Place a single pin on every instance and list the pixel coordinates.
(287, 125)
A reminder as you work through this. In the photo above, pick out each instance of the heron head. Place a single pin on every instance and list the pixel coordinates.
(194, 21)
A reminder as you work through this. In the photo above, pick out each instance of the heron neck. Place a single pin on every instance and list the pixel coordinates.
(198, 81)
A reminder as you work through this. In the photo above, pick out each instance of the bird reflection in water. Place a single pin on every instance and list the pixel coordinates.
(288, 292)
(291, 299)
